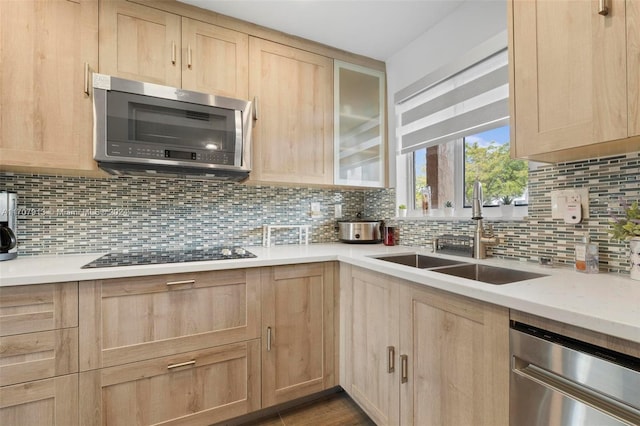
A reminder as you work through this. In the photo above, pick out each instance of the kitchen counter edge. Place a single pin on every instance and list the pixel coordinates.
(605, 303)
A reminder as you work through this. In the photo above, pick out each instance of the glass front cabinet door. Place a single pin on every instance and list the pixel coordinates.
(359, 126)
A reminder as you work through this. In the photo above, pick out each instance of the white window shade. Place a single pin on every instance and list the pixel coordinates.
(468, 102)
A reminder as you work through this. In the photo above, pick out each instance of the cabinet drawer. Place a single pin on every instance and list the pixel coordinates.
(32, 308)
(129, 320)
(51, 402)
(196, 388)
(34, 356)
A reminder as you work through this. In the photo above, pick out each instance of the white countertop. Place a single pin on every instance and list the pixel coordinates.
(606, 303)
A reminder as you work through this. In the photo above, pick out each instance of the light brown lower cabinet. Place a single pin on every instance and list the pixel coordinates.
(38, 353)
(411, 355)
(34, 356)
(298, 355)
(51, 402)
(370, 342)
(132, 319)
(454, 359)
(194, 388)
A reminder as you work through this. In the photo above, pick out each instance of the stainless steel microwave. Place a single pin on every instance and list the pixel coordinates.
(149, 129)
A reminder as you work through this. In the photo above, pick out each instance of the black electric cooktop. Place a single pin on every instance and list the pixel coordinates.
(156, 257)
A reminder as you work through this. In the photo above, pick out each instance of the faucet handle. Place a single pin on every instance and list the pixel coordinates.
(489, 230)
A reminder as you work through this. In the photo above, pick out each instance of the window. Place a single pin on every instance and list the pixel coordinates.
(484, 155)
(453, 127)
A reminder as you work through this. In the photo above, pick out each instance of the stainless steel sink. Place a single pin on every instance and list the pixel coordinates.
(488, 274)
(483, 273)
(420, 261)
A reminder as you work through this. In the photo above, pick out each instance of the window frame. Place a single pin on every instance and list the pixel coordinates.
(459, 172)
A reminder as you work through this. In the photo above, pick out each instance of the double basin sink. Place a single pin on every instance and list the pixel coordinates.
(482, 273)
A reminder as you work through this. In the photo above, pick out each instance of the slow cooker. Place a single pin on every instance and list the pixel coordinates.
(360, 231)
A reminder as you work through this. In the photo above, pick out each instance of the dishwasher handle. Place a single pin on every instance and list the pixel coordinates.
(545, 360)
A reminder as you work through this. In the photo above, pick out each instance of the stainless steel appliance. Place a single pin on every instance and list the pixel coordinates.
(149, 129)
(556, 380)
(8, 225)
(155, 257)
(360, 231)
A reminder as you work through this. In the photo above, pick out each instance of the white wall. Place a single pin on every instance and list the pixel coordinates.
(474, 22)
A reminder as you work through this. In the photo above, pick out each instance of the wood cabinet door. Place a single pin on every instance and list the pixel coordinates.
(140, 43)
(195, 388)
(45, 115)
(34, 356)
(32, 308)
(51, 402)
(370, 369)
(633, 65)
(298, 331)
(216, 59)
(458, 360)
(132, 319)
(569, 75)
(293, 133)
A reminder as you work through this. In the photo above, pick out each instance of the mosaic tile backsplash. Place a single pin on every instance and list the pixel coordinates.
(63, 215)
(607, 179)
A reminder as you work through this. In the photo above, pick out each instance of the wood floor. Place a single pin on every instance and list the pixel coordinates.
(333, 410)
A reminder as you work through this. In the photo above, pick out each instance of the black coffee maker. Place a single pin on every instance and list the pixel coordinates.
(8, 222)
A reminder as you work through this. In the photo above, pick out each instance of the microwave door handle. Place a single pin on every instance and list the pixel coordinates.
(255, 108)
(87, 75)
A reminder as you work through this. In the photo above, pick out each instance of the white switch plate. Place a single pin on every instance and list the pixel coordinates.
(559, 201)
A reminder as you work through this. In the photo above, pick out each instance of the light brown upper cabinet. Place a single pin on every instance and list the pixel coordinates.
(359, 119)
(146, 44)
(633, 65)
(298, 353)
(574, 78)
(47, 48)
(216, 59)
(293, 133)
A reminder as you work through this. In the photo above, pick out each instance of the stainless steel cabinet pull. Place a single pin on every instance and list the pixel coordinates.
(181, 282)
(603, 8)
(404, 366)
(173, 52)
(86, 78)
(181, 364)
(255, 108)
(391, 359)
(268, 339)
(189, 56)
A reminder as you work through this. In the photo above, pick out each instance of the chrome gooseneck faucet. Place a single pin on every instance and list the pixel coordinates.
(481, 239)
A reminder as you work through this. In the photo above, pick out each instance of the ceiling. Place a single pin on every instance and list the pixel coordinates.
(373, 28)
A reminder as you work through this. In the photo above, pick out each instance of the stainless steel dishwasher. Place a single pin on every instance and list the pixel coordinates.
(559, 381)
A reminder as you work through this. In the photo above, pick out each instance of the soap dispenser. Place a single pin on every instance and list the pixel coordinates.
(587, 257)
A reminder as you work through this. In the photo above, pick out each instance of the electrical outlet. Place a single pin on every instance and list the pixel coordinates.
(315, 210)
(337, 211)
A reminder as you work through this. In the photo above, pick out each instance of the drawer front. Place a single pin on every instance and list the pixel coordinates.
(34, 356)
(32, 308)
(129, 320)
(51, 402)
(196, 388)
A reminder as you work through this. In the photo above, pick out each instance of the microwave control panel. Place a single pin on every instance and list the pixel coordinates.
(115, 149)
